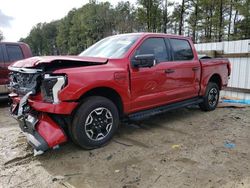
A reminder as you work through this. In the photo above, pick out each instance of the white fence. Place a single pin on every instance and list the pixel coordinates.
(238, 54)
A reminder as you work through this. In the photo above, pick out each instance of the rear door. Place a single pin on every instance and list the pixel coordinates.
(183, 72)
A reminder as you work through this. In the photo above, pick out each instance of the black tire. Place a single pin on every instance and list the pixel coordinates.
(210, 104)
(95, 122)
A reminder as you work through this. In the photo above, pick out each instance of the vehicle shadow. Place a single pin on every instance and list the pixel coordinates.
(4, 103)
(156, 121)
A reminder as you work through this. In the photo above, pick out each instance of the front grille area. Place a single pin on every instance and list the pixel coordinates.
(22, 83)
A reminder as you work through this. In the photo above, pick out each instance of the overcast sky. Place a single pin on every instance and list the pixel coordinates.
(17, 17)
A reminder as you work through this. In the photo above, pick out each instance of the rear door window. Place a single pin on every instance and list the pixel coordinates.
(1, 55)
(181, 50)
(155, 46)
(14, 52)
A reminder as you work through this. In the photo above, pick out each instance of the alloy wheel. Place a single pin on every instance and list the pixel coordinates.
(213, 97)
(98, 123)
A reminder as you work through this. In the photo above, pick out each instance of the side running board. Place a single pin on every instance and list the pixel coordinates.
(165, 108)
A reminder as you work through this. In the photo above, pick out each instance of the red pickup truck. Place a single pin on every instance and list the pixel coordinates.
(124, 76)
(10, 52)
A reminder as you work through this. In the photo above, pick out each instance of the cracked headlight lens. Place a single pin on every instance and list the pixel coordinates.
(50, 87)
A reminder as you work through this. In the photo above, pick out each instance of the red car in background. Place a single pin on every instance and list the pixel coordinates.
(9, 53)
(124, 76)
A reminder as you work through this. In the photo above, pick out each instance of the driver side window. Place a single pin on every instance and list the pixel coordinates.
(155, 46)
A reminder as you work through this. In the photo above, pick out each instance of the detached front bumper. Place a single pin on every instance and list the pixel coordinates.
(41, 131)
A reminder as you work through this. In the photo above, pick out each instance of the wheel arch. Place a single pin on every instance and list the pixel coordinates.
(106, 92)
(216, 78)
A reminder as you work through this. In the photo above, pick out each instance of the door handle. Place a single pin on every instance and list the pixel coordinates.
(195, 68)
(168, 71)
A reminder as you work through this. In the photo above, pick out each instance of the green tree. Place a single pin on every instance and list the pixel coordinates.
(149, 12)
(181, 17)
(230, 19)
(195, 18)
(90, 23)
(35, 39)
(125, 18)
(205, 21)
(62, 38)
(165, 6)
(236, 7)
(48, 35)
(1, 35)
(244, 23)
(175, 19)
(42, 39)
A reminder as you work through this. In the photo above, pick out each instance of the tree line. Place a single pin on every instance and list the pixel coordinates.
(1, 36)
(203, 20)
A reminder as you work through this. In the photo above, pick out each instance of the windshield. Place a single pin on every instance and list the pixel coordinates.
(111, 47)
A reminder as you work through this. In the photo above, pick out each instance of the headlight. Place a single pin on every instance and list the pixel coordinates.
(50, 87)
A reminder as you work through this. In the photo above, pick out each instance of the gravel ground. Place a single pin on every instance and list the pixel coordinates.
(182, 148)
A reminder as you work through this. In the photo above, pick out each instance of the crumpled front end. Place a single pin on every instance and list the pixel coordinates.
(40, 130)
(34, 98)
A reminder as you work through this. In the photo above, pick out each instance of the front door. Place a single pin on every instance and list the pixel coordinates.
(147, 84)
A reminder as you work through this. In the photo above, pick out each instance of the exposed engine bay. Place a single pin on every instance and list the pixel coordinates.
(23, 80)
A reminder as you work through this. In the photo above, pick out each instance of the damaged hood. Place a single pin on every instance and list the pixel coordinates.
(35, 61)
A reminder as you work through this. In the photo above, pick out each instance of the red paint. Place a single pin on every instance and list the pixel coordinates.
(4, 72)
(34, 61)
(138, 88)
(136, 92)
(121, 77)
(50, 131)
(214, 67)
(60, 108)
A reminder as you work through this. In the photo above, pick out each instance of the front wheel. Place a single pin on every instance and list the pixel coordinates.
(95, 122)
(211, 97)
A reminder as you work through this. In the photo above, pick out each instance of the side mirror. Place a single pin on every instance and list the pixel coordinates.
(144, 60)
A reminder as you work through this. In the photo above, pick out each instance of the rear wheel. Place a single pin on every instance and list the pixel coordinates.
(95, 122)
(211, 97)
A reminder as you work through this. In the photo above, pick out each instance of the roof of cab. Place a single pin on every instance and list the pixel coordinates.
(156, 34)
(3, 42)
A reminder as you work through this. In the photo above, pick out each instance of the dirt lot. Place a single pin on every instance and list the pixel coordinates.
(183, 148)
